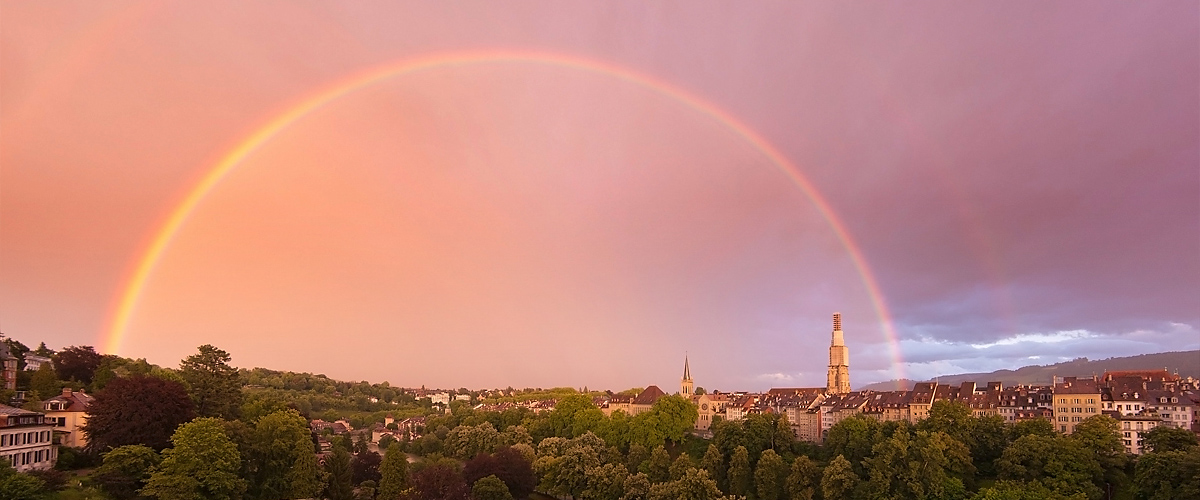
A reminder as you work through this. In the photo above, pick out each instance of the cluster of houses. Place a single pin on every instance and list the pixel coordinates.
(30, 439)
(1139, 401)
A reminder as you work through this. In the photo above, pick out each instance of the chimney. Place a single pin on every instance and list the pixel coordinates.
(66, 392)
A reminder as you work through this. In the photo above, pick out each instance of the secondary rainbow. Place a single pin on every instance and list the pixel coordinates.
(161, 240)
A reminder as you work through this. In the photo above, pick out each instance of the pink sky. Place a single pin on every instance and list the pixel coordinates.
(1022, 178)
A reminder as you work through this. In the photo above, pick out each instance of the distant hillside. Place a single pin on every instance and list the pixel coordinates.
(1187, 363)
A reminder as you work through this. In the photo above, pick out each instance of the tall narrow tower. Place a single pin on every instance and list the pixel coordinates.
(839, 360)
(685, 384)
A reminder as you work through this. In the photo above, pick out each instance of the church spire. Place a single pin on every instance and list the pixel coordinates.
(685, 383)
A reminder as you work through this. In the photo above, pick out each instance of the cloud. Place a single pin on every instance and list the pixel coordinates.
(775, 377)
(928, 358)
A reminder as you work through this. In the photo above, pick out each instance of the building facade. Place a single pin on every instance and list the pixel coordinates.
(1075, 400)
(26, 439)
(67, 412)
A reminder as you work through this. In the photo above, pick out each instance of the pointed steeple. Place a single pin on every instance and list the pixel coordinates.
(685, 384)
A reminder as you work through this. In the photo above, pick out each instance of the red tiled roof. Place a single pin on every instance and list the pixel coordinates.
(649, 396)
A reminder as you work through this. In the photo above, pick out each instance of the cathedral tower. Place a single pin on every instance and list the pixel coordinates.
(839, 360)
(685, 384)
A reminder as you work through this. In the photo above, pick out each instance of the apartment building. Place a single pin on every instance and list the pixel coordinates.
(1075, 400)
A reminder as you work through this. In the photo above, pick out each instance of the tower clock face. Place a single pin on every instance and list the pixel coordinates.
(704, 406)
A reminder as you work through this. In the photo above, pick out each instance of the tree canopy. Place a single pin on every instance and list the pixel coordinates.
(203, 464)
(137, 410)
(214, 385)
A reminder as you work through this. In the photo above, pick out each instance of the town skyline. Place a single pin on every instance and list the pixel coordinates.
(579, 194)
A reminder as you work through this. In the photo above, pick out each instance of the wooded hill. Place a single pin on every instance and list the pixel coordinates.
(1186, 363)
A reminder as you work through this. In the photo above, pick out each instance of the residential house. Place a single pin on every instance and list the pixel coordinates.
(645, 400)
(888, 406)
(33, 361)
(8, 368)
(26, 439)
(68, 412)
(1175, 408)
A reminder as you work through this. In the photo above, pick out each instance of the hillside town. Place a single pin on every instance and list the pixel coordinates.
(35, 430)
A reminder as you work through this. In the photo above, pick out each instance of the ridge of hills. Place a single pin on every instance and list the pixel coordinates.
(1186, 363)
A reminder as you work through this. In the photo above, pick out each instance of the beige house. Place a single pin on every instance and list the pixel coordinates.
(26, 439)
(68, 412)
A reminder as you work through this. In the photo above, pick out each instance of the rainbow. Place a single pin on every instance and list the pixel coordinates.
(125, 306)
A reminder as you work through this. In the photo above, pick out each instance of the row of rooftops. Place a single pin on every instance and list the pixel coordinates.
(1156, 386)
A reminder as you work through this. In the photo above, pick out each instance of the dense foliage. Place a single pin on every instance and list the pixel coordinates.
(257, 445)
(137, 410)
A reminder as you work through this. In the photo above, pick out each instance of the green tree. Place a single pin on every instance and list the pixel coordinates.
(305, 479)
(1036, 427)
(853, 439)
(275, 445)
(953, 418)
(681, 465)
(45, 381)
(202, 465)
(991, 436)
(714, 463)
(1168, 475)
(561, 420)
(769, 476)
(804, 480)
(918, 465)
(17, 486)
(42, 350)
(466, 441)
(1100, 435)
(564, 464)
(1061, 464)
(637, 487)
(212, 383)
(394, 483)
(606, 482)
(676, 416)
(739, 472)
(637, 456)
(1015, 490)
(125, 470)
(839, 480)
(659, 466)
(490, 488)
(1162, 439)
(340, 477)
(695, 485)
